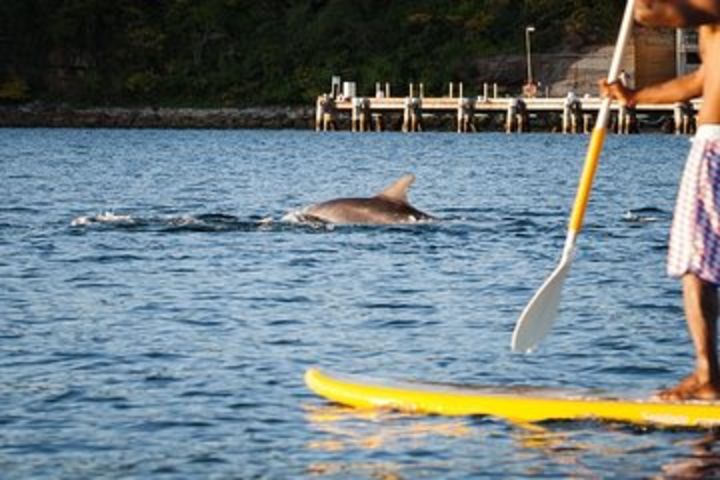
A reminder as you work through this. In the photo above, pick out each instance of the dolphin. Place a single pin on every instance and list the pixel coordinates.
(391, 206)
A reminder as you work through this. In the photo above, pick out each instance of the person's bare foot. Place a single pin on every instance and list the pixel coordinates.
(690, 382)
(690, 388)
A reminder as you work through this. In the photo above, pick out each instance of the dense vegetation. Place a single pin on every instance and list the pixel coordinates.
(241, 52)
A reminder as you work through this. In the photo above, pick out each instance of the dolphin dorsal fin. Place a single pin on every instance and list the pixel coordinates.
(398, 190)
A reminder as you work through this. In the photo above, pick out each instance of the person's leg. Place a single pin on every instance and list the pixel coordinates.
(701, 311)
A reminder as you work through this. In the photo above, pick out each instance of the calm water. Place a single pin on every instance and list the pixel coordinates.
(155, 324)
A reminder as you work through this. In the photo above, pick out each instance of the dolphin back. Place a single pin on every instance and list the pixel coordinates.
(391, 206)
(366, 211)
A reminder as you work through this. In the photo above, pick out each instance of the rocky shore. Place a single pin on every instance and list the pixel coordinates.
(44, 115)
(37, 114)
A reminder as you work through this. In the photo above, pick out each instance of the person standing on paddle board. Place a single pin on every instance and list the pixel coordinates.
(694, 252)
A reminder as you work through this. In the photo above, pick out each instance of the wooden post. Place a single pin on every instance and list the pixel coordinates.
(318, 114)
(451, 90)
(412, 115)
(465, 115)
(387, 89)
(587, 121)
(523, 119)
(379, 121)
(460, 90)
(360, 114)
(627, 120)
(325, 113)
(354, 115)
(678, 118)
(417, 115)
(566, 118)
(622, 120)
(406, 115)
(688, 118)
(422, 90)
(632, 121)
(510, 115)
(495, 90)
(576, 114)
(470, 118)
(517, 116)
(485, 92)
(460, 115)
(377, 118)
(411, 90)
(365, 110)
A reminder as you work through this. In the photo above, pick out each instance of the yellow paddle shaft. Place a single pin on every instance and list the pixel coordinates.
(586, 179)
(598, 134)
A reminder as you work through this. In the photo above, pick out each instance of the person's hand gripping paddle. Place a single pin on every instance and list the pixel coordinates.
(540, 313)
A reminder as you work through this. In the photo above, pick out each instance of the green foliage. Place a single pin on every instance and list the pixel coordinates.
(141, 84)
(243, 52)
(14, 90)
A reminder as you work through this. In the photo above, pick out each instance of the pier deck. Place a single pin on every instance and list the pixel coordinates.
(517, 111)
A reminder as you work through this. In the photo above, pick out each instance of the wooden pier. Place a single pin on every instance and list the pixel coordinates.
(576, 114)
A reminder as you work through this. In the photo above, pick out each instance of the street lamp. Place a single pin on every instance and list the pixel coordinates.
(528, 31)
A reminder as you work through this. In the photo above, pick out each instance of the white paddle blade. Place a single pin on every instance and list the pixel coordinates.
(540, 313)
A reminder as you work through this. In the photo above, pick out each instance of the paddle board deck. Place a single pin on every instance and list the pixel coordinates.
(524, 405)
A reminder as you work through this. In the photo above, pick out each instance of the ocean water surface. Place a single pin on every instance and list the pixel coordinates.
(156, 315)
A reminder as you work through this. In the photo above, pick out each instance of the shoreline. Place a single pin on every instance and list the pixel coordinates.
(44, 115)
(38, 115)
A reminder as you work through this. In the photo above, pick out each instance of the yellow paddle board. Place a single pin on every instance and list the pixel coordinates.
(519, 405)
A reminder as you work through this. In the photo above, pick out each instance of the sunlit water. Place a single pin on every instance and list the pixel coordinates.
(156, 316)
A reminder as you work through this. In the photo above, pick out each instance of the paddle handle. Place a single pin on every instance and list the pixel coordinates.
(598, 135)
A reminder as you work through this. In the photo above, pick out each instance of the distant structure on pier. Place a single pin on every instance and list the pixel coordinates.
(687, 51)
(652, 55)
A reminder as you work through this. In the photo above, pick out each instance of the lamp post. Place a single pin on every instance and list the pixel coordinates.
(528, 31)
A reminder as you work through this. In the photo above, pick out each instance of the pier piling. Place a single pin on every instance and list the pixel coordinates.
(466, 115)
(684, 118)
(517, 116)
(412, 115)
(325, 112)
(360, 121)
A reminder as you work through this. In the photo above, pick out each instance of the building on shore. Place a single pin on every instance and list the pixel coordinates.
(653, 55)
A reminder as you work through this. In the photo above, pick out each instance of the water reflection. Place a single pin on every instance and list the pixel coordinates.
(345, 429)
(372, 429)
(575, 445)
(370, 470)
(703, 460)
(575, 449)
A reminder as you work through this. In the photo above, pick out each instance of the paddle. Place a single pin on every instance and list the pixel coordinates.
(537, 318)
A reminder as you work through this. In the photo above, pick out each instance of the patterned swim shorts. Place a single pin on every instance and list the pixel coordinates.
(695, 233)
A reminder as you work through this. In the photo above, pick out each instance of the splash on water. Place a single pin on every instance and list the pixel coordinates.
(644, 215)
(205, 222)
(103, 218)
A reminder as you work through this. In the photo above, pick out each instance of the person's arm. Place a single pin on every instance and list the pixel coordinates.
(677, 13)
(676, 90)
